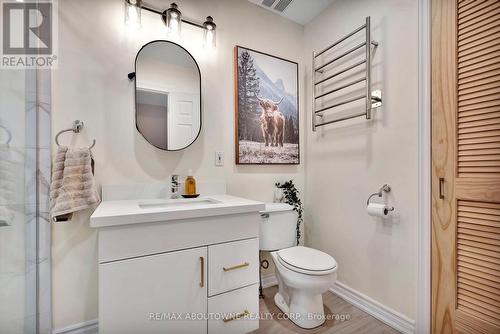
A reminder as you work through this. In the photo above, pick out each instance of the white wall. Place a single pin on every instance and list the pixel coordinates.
(95, 54)
(348, 161)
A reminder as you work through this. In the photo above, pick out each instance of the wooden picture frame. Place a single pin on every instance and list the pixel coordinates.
(267, 118)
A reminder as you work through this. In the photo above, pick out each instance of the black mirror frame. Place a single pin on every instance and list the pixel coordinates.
(132, 76)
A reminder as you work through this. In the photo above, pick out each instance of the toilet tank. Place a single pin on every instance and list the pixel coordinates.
(277, 227)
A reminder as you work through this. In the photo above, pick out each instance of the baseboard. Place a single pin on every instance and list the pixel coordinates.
(87, 327)
(383, 313)
(269, 280)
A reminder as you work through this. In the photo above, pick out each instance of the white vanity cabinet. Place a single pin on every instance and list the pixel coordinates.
(190, 275)
(140, 295)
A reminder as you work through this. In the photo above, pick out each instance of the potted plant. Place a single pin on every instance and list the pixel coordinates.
(291, 196)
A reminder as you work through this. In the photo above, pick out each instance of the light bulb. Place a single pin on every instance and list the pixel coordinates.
(133, 13)
(209, 34)
(173, 20)
(209, 39)
(173, 29)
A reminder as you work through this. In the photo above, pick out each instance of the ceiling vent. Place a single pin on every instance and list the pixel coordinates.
(277, 5)
(268, 3)
(300, 11)
(282, 5)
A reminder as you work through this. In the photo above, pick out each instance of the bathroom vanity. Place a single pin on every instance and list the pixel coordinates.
(178, 266)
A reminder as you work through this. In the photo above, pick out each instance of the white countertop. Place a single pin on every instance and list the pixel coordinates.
(124, 212)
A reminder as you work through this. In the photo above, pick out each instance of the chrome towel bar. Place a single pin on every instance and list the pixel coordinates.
(348, 52)
(373, 99)
(341, 87)
(340, 72)
(344, 38)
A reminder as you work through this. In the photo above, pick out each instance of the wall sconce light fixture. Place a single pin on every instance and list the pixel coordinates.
(173, 19)
(133, 13)
(209, 33)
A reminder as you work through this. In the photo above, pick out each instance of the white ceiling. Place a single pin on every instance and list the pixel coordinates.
(300, 11)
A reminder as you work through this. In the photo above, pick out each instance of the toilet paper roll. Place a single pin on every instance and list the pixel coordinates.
(378, 210)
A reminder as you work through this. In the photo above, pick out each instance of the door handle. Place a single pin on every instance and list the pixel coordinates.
(441, 187)
(202, 278)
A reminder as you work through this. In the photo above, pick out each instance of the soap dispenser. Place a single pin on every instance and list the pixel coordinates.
(190, 184)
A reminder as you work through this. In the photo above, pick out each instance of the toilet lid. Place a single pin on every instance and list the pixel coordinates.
(307, 259)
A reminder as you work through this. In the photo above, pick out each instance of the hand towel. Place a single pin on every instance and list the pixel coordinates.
(73, 186)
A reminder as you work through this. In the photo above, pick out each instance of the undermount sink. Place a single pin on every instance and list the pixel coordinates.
(173, 203)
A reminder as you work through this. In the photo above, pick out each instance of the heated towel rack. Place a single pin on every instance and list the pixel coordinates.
(373, 99)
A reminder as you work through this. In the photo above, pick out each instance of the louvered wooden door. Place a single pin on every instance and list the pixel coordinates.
(466, 166)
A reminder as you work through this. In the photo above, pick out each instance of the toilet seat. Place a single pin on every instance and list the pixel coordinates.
(307, 260)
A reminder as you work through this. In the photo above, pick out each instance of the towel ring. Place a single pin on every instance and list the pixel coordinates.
(9, 134)
(77, 127)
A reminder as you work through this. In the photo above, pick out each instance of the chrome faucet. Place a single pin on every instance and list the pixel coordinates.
(174, 186)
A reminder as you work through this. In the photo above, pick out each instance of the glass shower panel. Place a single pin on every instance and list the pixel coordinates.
(18, 198)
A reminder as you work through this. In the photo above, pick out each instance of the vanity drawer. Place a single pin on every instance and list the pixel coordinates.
(228, 311)
(233, 265)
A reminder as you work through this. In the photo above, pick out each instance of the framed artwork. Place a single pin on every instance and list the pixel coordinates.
(267, 109)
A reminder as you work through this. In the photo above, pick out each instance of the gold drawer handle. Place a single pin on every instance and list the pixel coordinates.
(202, 266)
(237, 316)
(243, 265)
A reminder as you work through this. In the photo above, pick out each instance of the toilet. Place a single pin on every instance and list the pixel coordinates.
(303, 273)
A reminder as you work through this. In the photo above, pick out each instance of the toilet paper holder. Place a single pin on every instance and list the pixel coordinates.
(384, 189)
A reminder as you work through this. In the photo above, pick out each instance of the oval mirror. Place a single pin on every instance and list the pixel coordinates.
(167, 95)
